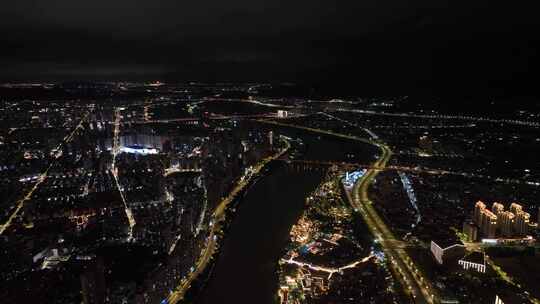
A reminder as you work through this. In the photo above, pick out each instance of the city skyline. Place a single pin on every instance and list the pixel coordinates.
(269, 152)
(156, 192)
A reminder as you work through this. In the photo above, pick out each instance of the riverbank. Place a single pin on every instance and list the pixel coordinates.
(246, 268)
(218, 217)
(331, 256)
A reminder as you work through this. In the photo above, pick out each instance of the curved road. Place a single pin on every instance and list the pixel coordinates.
(404, 269)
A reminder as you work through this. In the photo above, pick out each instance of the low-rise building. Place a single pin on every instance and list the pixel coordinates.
(475, 261)
(447, 253)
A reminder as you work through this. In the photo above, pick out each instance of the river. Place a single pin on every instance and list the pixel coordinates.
(246, 266)
(245, 269)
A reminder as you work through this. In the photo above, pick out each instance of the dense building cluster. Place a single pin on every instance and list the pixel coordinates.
(110, 191)
(90, 186)
(497, 222)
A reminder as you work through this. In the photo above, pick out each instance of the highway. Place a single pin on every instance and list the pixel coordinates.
(213, 117)
(320, 131)
(114, 171)
(403, 267)
(217, 217)
(418, 170)
(373, 135)
(58, 153)
(442, 116)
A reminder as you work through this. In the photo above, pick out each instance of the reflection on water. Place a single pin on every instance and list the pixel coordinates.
(245, 269)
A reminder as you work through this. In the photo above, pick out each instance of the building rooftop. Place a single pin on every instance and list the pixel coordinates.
(474, 257)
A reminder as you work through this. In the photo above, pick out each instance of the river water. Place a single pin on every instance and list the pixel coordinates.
(245, 269)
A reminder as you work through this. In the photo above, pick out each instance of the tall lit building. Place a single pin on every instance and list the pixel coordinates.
(512, 223)
(488, 224)
(506, 223)
(497, 208)
(521, 224)
(478, 209)
(485, 219)
(515, 208)
(471, 231)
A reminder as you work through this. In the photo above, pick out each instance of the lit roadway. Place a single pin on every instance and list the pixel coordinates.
(351, 137)
(216, 117)
(442, 116)
(405, 271)
(410, 277)
(114, 171)
(329, 270)
(217, 217)
(418, 170)
(373, 135)
(177, 169)
(58, 153)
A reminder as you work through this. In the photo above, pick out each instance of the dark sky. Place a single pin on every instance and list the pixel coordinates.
(370, 42)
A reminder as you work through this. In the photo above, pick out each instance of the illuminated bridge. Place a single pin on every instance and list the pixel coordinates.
(317, 164)
(349, 166)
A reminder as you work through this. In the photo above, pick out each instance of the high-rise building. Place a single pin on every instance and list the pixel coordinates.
(521, 224)
(497, 208)
(512, 223)
(478, 209)
(471, 231)
(488, 224)
(506, 223)
(485, 219)
(515, 208)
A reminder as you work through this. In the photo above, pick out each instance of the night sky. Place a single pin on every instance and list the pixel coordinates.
(384, 43)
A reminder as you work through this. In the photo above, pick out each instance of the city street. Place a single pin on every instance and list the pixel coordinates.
(43, 175)
(404, 268)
